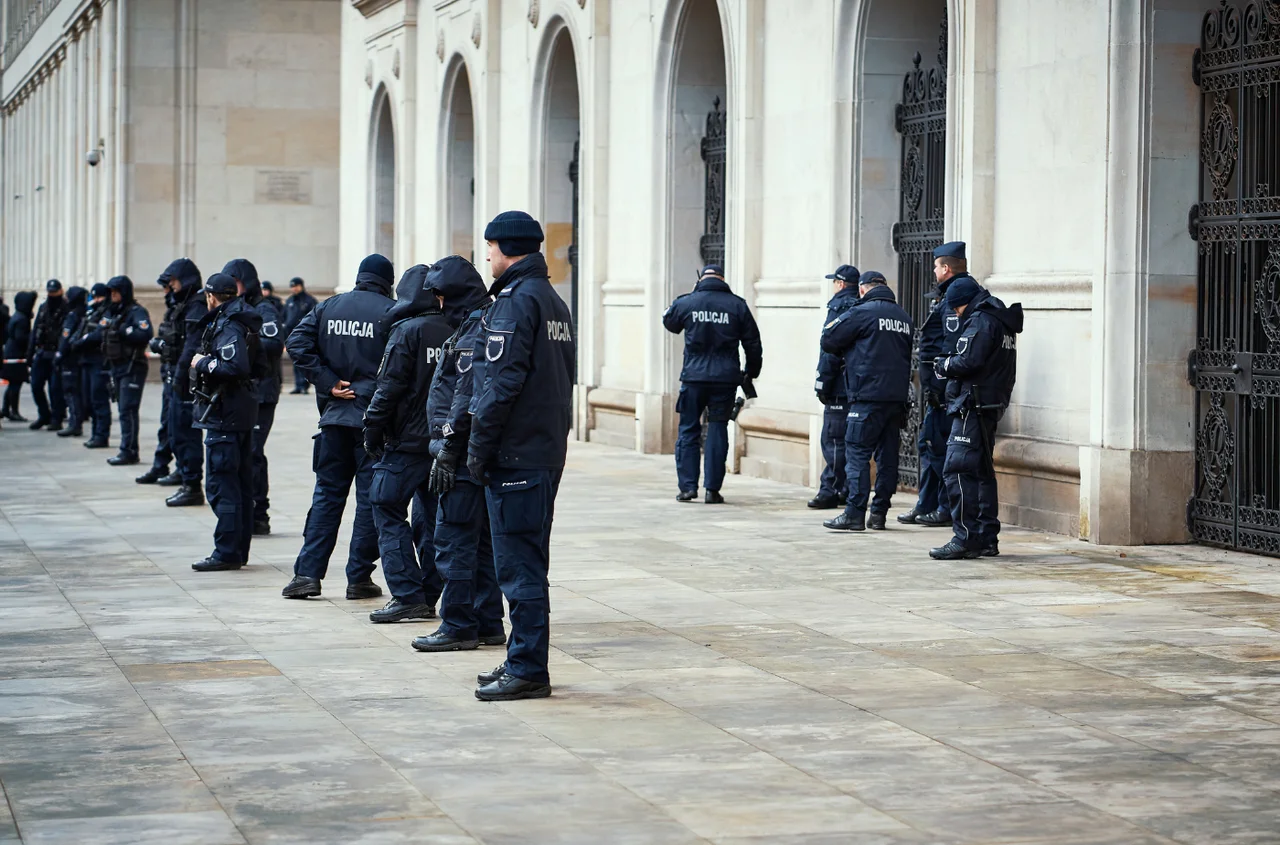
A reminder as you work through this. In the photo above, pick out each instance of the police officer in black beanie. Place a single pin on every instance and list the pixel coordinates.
(338, 347)
(521, 414)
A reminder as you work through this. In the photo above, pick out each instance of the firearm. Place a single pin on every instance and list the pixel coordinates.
(113, 386)
(210, 399)
(748, 391)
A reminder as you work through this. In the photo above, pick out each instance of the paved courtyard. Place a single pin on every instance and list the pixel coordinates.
(730, 675)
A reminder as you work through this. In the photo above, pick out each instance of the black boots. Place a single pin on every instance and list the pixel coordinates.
(847, 522)
(152, 475)
(187, 495)
(361, 590)
(301, 587)
(123, 460)
(397, 611)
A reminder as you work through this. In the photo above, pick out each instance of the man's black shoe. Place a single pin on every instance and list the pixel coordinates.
(261, 528)
(908, 518)
(173, 479)
(876, 522)
(847, 522)
(38, 424)
(14, 416)
(511, 688)
(123, 460)
(71, 432)
(955, 550)
(301, 587)
(992, 549)
(96, 443)
(55, 426)
(492, 675)
(937, 519)
(296, 391)
(824, 503)
(687, 495)
(152, 475)
(493, 639)
(440, 641)
(187, 496)
(362, 590)
(712, 497)
(397, 611)
(211, 564)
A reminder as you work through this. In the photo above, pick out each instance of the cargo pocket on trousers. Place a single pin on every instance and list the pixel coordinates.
(519, 507)
(222, 453)
(962, 458)
(384, 489)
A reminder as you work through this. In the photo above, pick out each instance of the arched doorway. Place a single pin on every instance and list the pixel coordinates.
(384, 179)
(561, 156)
(460, 168)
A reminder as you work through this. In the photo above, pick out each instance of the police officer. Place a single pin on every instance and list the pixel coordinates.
(833, 489)
(87, 345)
(227, 361)
(937, 339)
(397, 433)
(190, 307)
(980, 377)
(159, 469)
(124, 342)
(875, 341)
(471, 605)
(298, 305)
(68, 362)
(715, 321)
(46, 332)
(521, 415)
(17, 349)
(271, 339)
(338, 347)
(269, 294)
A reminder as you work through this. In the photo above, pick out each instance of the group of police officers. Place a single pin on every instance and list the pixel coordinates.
(967, 353)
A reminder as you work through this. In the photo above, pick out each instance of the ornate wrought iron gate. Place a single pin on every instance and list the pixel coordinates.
(1235, 367)
(715, 145)
(574, 170)
(921, 119)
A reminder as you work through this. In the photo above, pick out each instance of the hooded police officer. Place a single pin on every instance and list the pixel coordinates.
(124, 344)
(87, 345)
(17, 347)
(715, 321)
(338, 347)
(980, 378)
(46, 332)
(68, 362)
(833, 488)
(522, 411)
(397, 433)
(271, 339)
(227, 361)
(471, 604)
(875, 341)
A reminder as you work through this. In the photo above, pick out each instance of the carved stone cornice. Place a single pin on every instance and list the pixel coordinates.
(368, 8)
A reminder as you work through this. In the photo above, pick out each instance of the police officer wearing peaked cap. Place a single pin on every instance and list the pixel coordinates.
(521, 415)
(715, 321)
(833, 489)
(980, 378)
(875, 341)
(338, 347)
(224, 368)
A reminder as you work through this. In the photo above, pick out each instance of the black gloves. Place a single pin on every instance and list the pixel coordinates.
(374, 441)
(444, 472)
(940, 365)
(475, 466)
(156, 345)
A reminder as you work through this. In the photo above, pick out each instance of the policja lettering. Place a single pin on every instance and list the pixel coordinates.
(558, 330)
(721, 317)
(890, 325)
(350, 328)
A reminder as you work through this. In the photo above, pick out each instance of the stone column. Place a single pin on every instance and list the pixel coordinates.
(70, 165)
(81, 244)
(106, 169)
(93, 41)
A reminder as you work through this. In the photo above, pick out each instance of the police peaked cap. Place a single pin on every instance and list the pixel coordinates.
(845, 273)
(873, 277)
(953, 249)
(52, 285)
(98, 290)
(221, 284)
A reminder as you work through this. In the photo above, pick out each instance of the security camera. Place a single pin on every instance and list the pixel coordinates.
(93, 157)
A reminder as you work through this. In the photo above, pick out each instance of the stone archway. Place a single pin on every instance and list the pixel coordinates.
(384, 179)
(460, 167)
(561, 155)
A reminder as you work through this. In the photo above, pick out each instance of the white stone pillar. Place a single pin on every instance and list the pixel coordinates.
(95, 177)
(6, 205)
(106, 174)
(71, 159)
(82, 173)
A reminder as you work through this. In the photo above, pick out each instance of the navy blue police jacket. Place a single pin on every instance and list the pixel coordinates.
(76, 311)
(982, 373)
(715, 321)
(522, 408)
(228, 339)
(452, 385)
(938, 335)
(271, 336)
(830, 384)
(87, 341)
(343, 338)
(130, 322)
(18, 334)
(46, 331)
(875, 340)
(418, 331)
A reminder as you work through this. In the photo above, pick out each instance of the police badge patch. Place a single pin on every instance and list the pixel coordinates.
(961, 345)
(227, 352)
(467, 359)
(953, 323)
(270, 329)
(494, 347)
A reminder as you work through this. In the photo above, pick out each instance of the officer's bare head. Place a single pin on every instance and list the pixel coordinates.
(948, 267)
(511, 237)
(871, 280)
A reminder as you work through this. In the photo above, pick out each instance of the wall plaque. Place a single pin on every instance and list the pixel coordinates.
(282, 187)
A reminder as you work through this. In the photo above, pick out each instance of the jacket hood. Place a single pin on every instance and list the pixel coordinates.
(1010, 316)
(413, 297)
(242, 270)
(185, 271)
(25, 302)
(244, 314)
(123, 284)
(76, 298)
(883, 292)
(456, 279)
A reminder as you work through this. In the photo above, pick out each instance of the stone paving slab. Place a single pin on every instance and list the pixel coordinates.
(732, 675)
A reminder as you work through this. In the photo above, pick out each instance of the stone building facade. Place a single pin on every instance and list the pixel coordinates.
(139, 131)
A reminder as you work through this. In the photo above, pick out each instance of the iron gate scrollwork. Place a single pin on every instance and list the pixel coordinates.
(1235, 367)
(715, 145)
(575, 169)
(921, 119)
